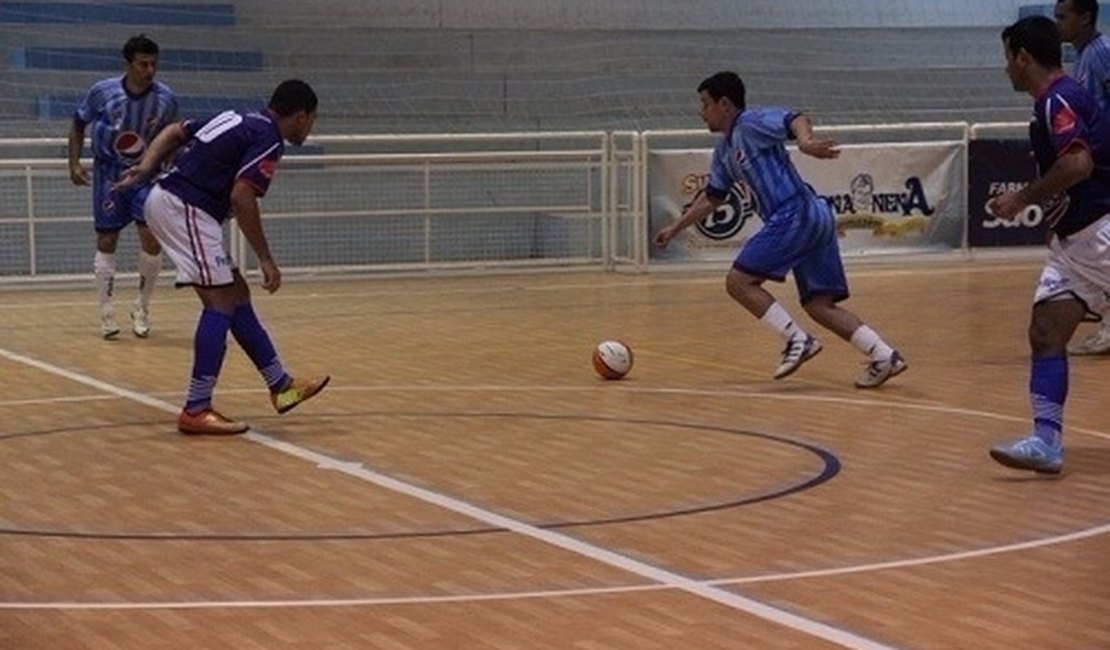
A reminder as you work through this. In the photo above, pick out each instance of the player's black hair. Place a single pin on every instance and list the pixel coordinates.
(292, 96)
(139, 45)
(1037, 35)
(725, 84)
(1085, 7)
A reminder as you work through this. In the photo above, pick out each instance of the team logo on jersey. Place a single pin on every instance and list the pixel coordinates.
(1063, 121)
(730, 216)
(268, 168)
(129, 144)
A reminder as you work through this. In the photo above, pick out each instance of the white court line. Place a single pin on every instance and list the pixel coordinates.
(662, 576)
(509, 286)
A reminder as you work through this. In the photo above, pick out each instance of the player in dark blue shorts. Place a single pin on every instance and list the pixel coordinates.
(799, 229)
(125, 114)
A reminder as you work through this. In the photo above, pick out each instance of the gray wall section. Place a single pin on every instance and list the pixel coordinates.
(666, 15)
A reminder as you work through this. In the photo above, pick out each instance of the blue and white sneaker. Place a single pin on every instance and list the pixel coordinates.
(797, 351)
(1030, 453)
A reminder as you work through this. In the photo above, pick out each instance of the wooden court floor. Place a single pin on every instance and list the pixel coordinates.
(467, 482)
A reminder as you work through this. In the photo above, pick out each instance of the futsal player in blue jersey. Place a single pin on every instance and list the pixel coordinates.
(1078, 24)
(221, 168)
(798, 233)
(125, 114)
(1071, 146)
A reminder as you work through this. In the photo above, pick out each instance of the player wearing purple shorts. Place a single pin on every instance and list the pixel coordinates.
(125, 113)
(221, 168)
(799, 229)
(1071, 146)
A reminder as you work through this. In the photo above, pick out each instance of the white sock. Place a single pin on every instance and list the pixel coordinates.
(104, 267)
(868, 341)
(149, 267)
(780, 322)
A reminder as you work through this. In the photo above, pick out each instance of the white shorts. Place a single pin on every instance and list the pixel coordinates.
(1079, 267)
(192, 238)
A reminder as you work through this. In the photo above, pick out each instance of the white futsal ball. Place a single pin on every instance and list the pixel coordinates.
(612, 359)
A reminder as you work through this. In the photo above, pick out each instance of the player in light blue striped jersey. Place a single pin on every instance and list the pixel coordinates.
(798, 233)
(1077, 21)
(125, 114)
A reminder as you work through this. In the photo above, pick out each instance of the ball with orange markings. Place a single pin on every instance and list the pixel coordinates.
(612, 359)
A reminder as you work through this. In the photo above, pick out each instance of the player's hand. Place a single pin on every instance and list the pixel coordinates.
(823, 149)
(271, 276)
(1005, 206)
(665, 235)
(78, 174)
(130, 177)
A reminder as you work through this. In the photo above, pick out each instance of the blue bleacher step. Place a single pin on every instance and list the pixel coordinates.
(108, 58)
(121, 13)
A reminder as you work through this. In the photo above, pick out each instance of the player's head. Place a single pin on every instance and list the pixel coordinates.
(1077, 20)
(294, 102)
(141, 55)
(1032, 48)
(722, 97)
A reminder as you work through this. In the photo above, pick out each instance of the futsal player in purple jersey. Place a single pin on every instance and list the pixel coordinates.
(1077, 21)
(125, 114)
(798, 233)
(221, 168)
(1071, 146)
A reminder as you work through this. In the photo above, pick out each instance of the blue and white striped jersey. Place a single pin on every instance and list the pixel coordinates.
(123, 124)
(1092, 69)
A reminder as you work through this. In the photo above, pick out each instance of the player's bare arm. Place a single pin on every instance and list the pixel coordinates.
(244, 205)
(168, 141)
(802, 128)
(77, 172)
(1073, 166)
(698, 210)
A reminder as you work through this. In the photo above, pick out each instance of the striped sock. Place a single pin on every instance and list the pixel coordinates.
(1048, 389)
(209, 348)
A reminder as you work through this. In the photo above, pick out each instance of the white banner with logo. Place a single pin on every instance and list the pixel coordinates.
(886, 197)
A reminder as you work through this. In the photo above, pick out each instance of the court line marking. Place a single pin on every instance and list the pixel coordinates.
(700, 392)
(653, 573)
(818, 573)
(706, 276)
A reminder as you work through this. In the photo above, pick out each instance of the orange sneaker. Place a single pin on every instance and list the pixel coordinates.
(298, 390)
(209, 422)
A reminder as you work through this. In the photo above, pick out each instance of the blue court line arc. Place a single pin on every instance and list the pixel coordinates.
(830, 467)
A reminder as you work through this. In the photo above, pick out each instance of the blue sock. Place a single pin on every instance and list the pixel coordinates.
(209, 348)
(1048, 389)
(255, 341)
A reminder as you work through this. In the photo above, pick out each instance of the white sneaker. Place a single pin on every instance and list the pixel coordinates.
(877, 372)
(140, 322)
(797, 352)
(1097, 343)
(109, 328)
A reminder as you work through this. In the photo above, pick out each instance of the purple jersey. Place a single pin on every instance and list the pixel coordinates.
(1064, 116)
(123, 124)
(222, 150)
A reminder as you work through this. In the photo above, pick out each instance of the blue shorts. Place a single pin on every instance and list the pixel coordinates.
(113, 210)
(800, 237)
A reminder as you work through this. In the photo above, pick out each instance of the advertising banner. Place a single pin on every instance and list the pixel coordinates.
(998, 166)
(886, 197)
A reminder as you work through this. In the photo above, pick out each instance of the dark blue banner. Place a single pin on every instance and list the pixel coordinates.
(996, 167)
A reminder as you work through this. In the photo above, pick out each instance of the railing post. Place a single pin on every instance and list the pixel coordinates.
(30, 188)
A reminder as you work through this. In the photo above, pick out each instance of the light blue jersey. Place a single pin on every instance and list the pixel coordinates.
(1092, 69)
(799, 230)
(123, 125)
(753, 152)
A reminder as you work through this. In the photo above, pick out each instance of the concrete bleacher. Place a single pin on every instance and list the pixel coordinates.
(117, 12)
(433, 78)
(55, 106)
(109, 58)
